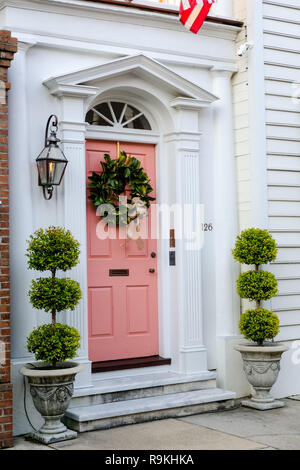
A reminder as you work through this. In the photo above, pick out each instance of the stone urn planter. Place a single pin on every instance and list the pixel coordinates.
(51, 391)
(256, 247)
(262, 366)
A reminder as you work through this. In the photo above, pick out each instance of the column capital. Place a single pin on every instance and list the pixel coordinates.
(226, 74)
(193, 104)
(24, 46)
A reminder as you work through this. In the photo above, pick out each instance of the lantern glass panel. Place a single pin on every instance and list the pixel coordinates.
(55, 171)
(42, 169)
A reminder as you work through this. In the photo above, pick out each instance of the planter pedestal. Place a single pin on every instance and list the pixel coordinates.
(41, 436)
(261, 366)
(51, 391)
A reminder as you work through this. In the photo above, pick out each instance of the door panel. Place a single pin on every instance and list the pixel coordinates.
(123, 317)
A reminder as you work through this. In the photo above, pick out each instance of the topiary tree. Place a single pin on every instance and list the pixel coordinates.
(51, 250)
(255, 247)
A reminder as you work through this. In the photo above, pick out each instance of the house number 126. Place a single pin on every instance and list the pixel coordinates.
(207, 227)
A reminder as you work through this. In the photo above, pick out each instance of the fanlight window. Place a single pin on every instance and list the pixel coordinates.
(115, 114)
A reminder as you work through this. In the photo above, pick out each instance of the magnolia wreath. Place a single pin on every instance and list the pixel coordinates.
(122, 190)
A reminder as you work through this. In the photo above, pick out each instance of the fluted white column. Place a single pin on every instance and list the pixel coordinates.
(192, 352)
(74, 218)
(23, 316)
(73, 127)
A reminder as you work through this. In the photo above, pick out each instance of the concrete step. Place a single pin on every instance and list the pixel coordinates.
(108, 415)
(140, 386)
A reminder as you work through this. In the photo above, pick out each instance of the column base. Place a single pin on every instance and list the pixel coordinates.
(193, 359)
(84, 378)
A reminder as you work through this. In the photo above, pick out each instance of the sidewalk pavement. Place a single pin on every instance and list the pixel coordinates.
(239, 429)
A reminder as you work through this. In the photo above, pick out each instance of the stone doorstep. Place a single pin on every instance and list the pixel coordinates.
(141, 386)
(131, 382)
(113, 414)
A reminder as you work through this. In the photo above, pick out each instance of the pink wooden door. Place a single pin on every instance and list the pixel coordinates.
(123, 317)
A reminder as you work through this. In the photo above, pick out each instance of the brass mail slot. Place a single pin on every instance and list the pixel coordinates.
(119, 272)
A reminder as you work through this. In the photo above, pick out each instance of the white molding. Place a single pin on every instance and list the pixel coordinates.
(79, 91)
(119, 13)
(186, 135)
(195, 104)
(128, 135)
(140, 65)
(114, 48)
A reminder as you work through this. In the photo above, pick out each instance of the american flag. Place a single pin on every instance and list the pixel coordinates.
(193, 13)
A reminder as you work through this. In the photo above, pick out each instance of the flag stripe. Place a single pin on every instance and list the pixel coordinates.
(193, 16)
(200, 19)
(192, 13)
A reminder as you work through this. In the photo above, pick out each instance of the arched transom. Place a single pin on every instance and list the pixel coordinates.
(118, 115)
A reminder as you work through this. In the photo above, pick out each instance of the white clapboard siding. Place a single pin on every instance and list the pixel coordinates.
(288, 254)
(274, 70)
(291, 208)
(286, 301)
(285, 270)
(283, 222)
(281, 116)
(289, 333)
(288, 284)
(284, 162)
(282, 98)
(280, 87)
(284, 192)
(274, 39)
(283, 177)
(283, 132)
(282, 27)
(287, 238)
(285, 102)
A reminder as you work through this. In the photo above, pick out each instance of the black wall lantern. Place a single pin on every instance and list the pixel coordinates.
(51, 162)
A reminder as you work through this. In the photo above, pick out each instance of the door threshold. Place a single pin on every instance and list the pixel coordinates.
(133, 363)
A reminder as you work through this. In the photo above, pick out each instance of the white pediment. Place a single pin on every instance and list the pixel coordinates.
(88, 81)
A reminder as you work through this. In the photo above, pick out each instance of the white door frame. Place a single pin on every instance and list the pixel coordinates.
(175, 122)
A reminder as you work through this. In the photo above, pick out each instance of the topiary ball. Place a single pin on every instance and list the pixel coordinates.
(259, 325)
(53, 343)
(257, 285)
(255, 246)
(54, 294)
(51, 249)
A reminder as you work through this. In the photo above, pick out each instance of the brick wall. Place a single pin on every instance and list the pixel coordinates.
(8, 47)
